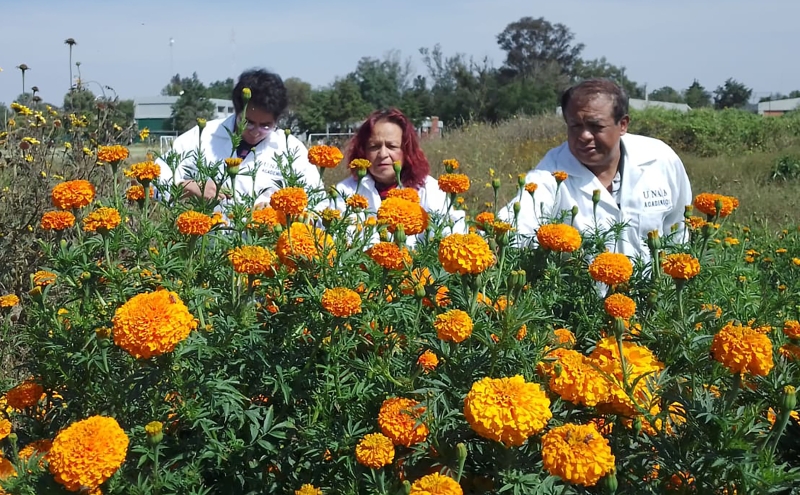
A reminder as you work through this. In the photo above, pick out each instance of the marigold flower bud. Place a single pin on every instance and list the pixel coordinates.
(496, 183)
(400, 236)
(789, 399)
(517, 207)
(246, 94)
(610, 483)
(596, 196)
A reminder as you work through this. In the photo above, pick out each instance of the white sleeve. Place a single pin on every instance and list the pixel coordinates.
(682, 192)
(533, 210)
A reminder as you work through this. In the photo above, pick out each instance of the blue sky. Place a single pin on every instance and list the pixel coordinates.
(125, 45)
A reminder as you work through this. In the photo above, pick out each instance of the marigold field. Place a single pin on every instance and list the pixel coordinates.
(167, 346)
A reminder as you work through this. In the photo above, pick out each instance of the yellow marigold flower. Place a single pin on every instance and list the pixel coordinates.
(218, 219)
(153, 428)
(453, 326)
(484, 219)
(560, 176)
(507, 410)
(144, 134)
(341, 302)
(43, 278)
(573, 377)
(375, 450)
(696, 223)
(706, 203)
(267, 217)
(144, 172)
(193, 223)
(465, 253)
(360, 164)
(781, 251)
(796, 261)
(325, 156)
(407, 193)
(232, 164)
(37, 447)
(451, 164)
(521, 332)
(5, 428)
(57, 220)
(395, 212)
(112, 154)
(564, 337)
(329, 215)
(152, 323)
(559, 237)
(303, 242)
(290, 200)
(253, 260)
(713, 308)
(101, 220)
(454, 183)
(577, 454)
(24, 395)
(87, 453)
(8, 300)
(390, 256)
(743, 350)
(436, 484)
(428, 360)
(72, 194)
(308, 489)
(611, 268)
(501, 228)
(731, 241)
(136, 193)
(792, 329)
(399, 419)
(531, 187)
(357, 202)
(681, 266)
(620, 306)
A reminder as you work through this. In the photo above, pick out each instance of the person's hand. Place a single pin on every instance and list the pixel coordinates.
(192, 189)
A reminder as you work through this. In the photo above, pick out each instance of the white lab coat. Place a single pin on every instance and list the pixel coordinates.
(431, 198)
(654, 193)
(215, 144)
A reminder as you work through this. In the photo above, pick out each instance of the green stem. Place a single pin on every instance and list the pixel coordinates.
(734, 391)
(106, 249)
(679, 285)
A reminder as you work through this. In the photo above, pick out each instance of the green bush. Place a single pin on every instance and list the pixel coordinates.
(787, 167)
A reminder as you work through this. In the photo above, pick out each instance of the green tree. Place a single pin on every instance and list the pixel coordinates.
(382, 82)
(192, 104)
(417, 102)
(174, 87)
(696, 95)
(668, 94)
(5, 114)
(222, 90)
(345, 106)
(732, 94)
(311, 114)
(602, 68)
(80, 101)
(299, 94)
(530, 42)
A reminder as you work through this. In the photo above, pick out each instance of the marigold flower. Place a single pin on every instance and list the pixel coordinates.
(507, 410)
(577, 454)
(87, 453)
(43, 278)
(37, 447)
(152, 323)
(790, 351)
(341, 302)
(395, 212)
(390, 256)
(428, 360)
(521, 332)
(484, 219)
(454, 183)
(57, 220)
(308, 489)
(611, 268)
(303, 242)
(436, 484)
(742, 350)
(325, 156)
(559, 237)
(696, 223)
(620, 306)
(253, 260)
(112, 154)
(7, 470)
(564, 337)
(193, 223)
(407, 193)
(5, 428)
(713, 308)
(560, 176)
(267, 217)
(357, 202)
(144, 172)
(375, 450)
(72, 194)
(8, 300)
(465, 253)
(531, 187)
(706, 203)
(681, 266)
(792, 329)
(26, 394)
(360, 164)
(136, 193)
(451, 164)
(290, 200)
(453, 326)
(573, 377)
(101, 220)
(399, 419)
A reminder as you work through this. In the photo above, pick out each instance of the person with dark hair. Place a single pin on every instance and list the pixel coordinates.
(387, 137)
(613, 177)
(259, 173)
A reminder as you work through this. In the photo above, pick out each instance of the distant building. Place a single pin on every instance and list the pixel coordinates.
(155, 112)
(431, 127)
(638, 104)
(776, 108)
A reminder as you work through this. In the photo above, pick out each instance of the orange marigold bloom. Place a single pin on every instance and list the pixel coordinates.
(152, 323)
(101, 220)
(390, 256)
(407, 193)
(37, 447)
(713, 308)
(136, 193)
(396, 212)
(72, 194)
(330, 214)
(360, 164)
(144, 172)
(451, 164)
(194, 223)
(559, 237)
(790, 351)
(577, 454)
(706, 203)
(620, 306)
(564, 337)
(681, 266)
(57, 220)
(357, 202)
(436, 484)
(507, 410)
(5, 428)
(573, 377)
(560, 176)
(112, 154)
(465, 253)
(611, 268)
(24, 395)
(267, 217)
(792, 329)
(484, 219)
(521, 332)
(290, 200)
(303, 242)
(341, 302)
(43, 278)
(8, 300)
(325, 156)
(453, 326)
(454, 183)
(308, 489)
(501, 228)
(399, 419)
(253, 260)
(87, 453)
(696, 223)
(743, 350)
(428, 360)
(375, 450)
(531, 187)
